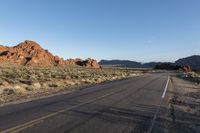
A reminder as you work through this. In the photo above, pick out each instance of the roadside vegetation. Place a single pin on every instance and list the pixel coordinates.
(184, 107)
(24, 82)
(193, 76)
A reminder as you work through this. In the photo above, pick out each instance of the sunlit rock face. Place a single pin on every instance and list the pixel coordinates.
(30, 53)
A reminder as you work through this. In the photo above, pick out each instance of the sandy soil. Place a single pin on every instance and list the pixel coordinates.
(184, 106)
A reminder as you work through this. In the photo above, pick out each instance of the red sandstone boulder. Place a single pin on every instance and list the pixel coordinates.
(186, 68)
(30, 53)
(70, 62)
(27, 53)
(90, 63)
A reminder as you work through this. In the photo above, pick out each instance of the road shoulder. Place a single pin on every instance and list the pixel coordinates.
(184, 107)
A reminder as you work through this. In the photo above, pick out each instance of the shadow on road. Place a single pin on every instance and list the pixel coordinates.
(136, 120)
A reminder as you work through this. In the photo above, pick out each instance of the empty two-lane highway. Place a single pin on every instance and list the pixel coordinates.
(131, 105)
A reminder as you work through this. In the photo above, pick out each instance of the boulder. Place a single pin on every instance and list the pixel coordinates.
(91, 63)
(30, 53)
(186, 68)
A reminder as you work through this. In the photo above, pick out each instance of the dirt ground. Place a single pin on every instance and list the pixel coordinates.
(184, 106)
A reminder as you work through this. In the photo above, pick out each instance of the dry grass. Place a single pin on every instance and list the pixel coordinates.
(19, 81)
(191, 76)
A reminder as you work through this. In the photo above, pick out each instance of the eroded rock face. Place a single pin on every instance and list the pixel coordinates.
(30, 53)
(186, 68)
(27, 53)
(89, 63)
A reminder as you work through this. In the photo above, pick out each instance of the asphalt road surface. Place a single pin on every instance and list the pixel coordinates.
(134, 105)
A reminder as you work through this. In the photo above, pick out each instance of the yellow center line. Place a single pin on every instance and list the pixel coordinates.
(38, 120)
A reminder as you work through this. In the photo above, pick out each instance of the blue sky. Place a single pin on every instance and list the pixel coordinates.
(140, 30)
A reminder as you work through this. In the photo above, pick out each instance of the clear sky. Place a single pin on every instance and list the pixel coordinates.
(140, 30)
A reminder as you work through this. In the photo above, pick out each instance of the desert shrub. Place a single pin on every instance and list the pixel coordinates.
(45, 71)
(29, 88)
(48, 75)
(8, 91)
(36, 85)
(11, 81)
(32, 77)
(41, 76)
(53, 74)
(53, 85)
(27, 82)
(73, 76)
(65, 76)
(1, 81)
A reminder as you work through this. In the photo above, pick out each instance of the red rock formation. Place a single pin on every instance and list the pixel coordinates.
(70, 62)
(86, 63)
(27, 53)
(89, 63)
(30, 53)
(186, 68)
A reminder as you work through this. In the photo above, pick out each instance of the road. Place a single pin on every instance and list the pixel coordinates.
(134, 105)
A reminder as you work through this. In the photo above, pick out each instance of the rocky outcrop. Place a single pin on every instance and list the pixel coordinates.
(30, 53)
(172, 66)
(186, 68)
(88, 63)
(192, 61)
(27, 53)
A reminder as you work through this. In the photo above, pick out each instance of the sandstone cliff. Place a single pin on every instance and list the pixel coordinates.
(30, 53)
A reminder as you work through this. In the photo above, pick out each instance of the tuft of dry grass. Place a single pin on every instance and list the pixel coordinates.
(191, 76)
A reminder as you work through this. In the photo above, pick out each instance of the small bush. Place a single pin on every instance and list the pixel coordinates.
(27, 82)
(53, 85)
(8, 91)
(29, 88)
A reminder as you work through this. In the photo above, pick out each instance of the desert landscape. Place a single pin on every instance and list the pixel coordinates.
(28, 71)
(99, 66)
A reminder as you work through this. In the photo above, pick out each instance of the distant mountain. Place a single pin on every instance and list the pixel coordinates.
(128, 63)
(121, 63)
(168, 66)
(192, 61)
(151, 64)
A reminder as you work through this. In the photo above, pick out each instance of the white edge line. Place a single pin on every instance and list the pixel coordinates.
(163, 96)
(26, 125)
(166, 86)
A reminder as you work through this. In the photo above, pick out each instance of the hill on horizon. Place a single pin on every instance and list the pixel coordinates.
(193, 61)
(129, 64)
(120, 63)
(30, 53)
